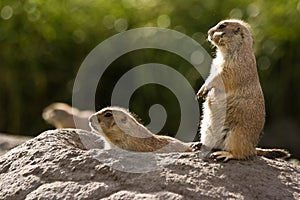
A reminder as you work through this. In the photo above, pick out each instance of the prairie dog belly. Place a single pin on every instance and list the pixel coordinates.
(213, 132)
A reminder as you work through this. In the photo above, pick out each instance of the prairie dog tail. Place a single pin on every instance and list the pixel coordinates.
(273, 153)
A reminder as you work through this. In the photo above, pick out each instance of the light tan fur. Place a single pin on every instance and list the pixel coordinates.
(234, 107)
(61, 115)
(121, 130)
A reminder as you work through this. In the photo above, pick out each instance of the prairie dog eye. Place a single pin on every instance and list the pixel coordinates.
(222, 26)
(108, 115)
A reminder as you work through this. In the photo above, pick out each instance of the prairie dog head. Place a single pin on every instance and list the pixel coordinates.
(230, 35)
(115, 122)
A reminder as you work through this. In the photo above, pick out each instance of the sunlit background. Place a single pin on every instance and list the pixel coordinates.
(43, 43)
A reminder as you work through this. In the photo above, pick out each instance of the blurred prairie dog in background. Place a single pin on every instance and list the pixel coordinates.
(61, 115)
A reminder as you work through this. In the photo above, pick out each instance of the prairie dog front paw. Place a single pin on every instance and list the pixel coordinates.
(202, 92)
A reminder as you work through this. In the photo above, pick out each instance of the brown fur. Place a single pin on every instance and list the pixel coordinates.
(234, 108)
(273, 153)
(121, 130)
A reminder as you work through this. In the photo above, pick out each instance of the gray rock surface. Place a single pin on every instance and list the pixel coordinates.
(71, 164)
(8, 142)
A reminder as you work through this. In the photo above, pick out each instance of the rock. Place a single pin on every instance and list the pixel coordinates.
(72, 164)
(8, 142)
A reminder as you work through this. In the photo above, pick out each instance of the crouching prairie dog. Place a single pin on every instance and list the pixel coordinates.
(121, 130)
(234, 107)
(61, 115)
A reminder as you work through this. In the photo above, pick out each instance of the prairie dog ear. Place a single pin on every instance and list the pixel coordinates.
(237, 30)
(124, 120)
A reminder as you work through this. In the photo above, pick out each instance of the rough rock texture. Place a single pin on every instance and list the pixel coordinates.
(8, 142)
(66, 164)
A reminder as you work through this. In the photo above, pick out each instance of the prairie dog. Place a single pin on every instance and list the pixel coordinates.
(121, 130)
(61, 115)
(234, 107)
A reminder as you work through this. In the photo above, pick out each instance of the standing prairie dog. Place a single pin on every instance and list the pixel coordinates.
(121, 130)
(234, 107)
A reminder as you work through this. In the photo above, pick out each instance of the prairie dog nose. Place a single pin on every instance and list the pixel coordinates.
(93, 119)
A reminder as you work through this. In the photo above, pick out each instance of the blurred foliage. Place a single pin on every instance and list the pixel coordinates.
(43, 44)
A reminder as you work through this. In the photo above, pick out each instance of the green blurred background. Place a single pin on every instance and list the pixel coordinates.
(43, 43)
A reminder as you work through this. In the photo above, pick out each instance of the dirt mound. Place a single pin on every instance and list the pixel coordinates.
(71, 164)
(8, 142)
